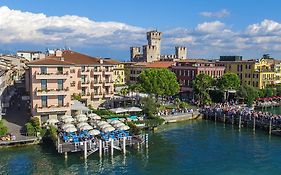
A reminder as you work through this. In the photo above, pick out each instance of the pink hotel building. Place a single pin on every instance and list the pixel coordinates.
(53, 81)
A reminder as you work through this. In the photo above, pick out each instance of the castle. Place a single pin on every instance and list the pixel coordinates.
(152, 51)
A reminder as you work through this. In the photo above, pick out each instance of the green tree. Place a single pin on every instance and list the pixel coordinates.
(201, 85)
(278, 90)
(269, 92)
(3, 128)
(229, 81)
(249, 93)
(159, 82)
(149, 106)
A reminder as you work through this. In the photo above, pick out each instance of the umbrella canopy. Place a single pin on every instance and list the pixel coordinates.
(68, 125)
(94, 132)
(108, 129)
(65, 117)
(79, 125)
(94, 117)
(82, 119)
(125, 127)
(77, 105)
(118, 110)
(101, 123)
(115, 121)
(92, 114)
(70, 130)
(86, 127)
(80, 115)
(134, 109)
(68, 120)
(117, 125)
(105, 126)
(52, 121)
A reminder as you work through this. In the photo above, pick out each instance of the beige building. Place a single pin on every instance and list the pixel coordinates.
(54, 82)
(118, 72)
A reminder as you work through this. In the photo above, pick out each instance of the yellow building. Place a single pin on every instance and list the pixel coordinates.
(118, 73)
(257, 73)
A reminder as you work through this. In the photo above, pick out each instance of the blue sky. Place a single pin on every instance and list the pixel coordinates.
(108, 28)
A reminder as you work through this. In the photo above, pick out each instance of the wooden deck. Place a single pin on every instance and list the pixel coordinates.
(18, 142)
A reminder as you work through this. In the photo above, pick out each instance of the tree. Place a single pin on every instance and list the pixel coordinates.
(3, 128)
(201, 85)
(149, 106)
(249, 93)
(229, 81)
(159, 82)
(269, 92)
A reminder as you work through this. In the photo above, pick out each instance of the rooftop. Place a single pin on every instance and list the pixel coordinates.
(160, 64)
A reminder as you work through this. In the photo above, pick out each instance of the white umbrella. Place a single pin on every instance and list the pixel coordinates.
(86, 127)
(117, 125)
(67, 125)
(94, 132)
(68, 120)
(101, 123)
(134, 109)
(105, 126)
(119, 110)
(52, 121)
(108, 129)
(80, 115)
(95, 117)
(92, 115)
(124, 127)
(70, 129)
(115, 121)
(65, 116)
(79, 125)
(82, 119)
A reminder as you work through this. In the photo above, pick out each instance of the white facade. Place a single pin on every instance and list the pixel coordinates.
(31, 55)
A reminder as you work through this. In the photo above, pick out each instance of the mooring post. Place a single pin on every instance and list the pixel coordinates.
(85, 149)
(223, 118)
(111, 147)
(239, 121)
(254, 127)
(146, 140)
(232, 118)
(215, 116)
(100, 148)
(65, 155)
(124, 145)
(270, 123)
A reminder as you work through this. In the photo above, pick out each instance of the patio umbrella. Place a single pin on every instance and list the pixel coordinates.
(86, 127)
(115, 121)
(101, 122)
(94, 132)
(52, 121)
(65, 116)
(68, 120)
(108, 129)
(117, 125)
(125, 127)
(67, 126)
(105, 126)
(134, 109)
(80, 115)
(82, 119)
(70, 129)
(79, 125)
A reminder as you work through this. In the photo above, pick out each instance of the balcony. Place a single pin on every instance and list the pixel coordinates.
(49, 76)
(110, 72)
(84, 84)
(96, 83)
(108, 95)
(52, 108)
(84, 72)
(51, 92)
(96, 95)
(108, 83)
(86, 95)
(96, 72)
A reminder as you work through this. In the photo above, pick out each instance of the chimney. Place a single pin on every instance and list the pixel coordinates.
(101, 61)
(58, 53)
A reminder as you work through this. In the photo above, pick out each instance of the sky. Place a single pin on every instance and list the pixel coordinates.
(108, 28)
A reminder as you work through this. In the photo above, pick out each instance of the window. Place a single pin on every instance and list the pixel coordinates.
(44, 102)
(83, 90)
(95, 79)
(60, 70)
(83, 79)
(60, 84)
(44, 118)
(43, 70)
(60, 100)
(96, 90)
(44, 84)
(83, 68)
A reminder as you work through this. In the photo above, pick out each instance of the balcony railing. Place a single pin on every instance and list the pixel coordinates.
(50, 92)
(96, 95)
(58, 75)
(108, 95)
(52, 108)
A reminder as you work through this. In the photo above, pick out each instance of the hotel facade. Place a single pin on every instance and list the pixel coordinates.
(64, 76)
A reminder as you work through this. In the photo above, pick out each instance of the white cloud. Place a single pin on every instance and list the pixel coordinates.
(18, 26)
(219, 14)
(210, 27)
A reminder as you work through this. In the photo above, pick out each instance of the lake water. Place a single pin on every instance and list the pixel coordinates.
(195, 147)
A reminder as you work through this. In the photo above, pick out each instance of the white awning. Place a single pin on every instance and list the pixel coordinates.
(134, 109)
(118, 110)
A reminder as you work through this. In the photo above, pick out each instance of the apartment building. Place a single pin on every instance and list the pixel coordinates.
(118, 72)
(30, 55)
(55, 81)
(186, 71)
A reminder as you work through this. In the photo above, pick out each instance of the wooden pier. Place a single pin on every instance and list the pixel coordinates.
(19, 142)
(98, 145)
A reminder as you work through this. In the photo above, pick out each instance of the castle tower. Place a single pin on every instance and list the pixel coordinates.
(154, 39)
(135, 53)
(150, 53)
(181, 52)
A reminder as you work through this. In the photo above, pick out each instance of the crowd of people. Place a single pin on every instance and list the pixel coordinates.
(8, 137)
(174, 111)
(247, 114)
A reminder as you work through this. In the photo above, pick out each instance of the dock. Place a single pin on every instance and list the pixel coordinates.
(19, 142)
(181, 117)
